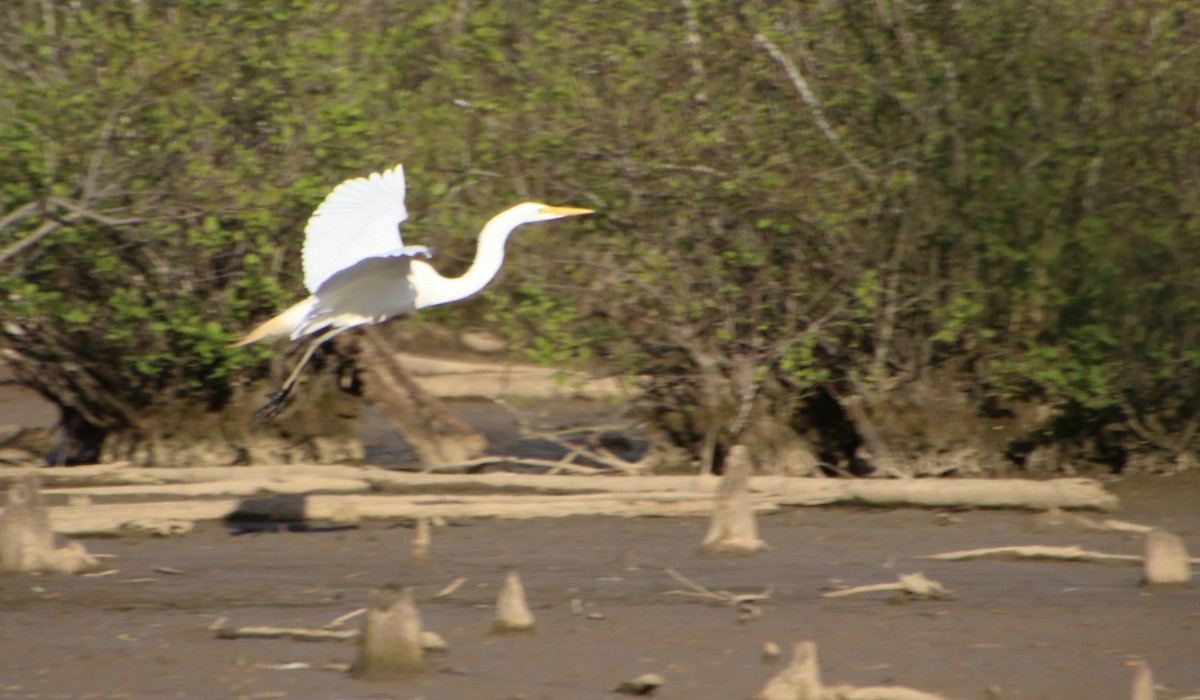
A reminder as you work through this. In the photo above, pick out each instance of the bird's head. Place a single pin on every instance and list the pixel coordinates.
(530, 212)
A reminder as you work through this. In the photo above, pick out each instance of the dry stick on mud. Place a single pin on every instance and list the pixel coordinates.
(512, 610)
(1166, 559)
(915, 585)
(1053, 518)
(1038, 551)
(430, 641)
(450, 588)
(303, 634)
(733, 529)
(27, 540)
(391, 637)
(744, 602)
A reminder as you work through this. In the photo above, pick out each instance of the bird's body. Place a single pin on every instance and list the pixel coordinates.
(359, 272)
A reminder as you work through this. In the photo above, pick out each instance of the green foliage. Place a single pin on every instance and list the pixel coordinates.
(1010, 184)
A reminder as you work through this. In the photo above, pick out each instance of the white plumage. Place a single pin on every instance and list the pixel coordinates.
(359, 271)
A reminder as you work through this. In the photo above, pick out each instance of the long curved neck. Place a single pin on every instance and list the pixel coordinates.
(433, 289)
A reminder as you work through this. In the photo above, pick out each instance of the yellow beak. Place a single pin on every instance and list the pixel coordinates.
(565, 211)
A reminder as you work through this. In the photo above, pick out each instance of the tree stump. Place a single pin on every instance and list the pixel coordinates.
(1143, 681)
(733, 528)
(419, 554)
(801, 680)
(26, 540)
(1166, 559)
(391, 641)
(512, 610)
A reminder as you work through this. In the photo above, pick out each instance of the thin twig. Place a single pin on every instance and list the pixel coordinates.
(814, 105)
(88, 213)
(19, 213)
(42, 231)
(343, 619)
(723, 597)
(500, 459)
(574, 450)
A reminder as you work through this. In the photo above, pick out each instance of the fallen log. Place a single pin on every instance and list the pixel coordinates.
(1070, 493)
(112, 517)
(344, 496)
(295, 485)
(942, 493)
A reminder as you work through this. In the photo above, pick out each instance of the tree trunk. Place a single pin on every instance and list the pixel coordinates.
(777, 449)
(319, 425)
(434, 433)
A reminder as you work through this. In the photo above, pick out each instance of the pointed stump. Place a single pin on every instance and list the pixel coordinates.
(391, 641)
(512, 610)
(733, 529)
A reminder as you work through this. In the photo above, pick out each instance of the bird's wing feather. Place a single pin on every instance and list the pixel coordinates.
(368, 291)
(359, 219)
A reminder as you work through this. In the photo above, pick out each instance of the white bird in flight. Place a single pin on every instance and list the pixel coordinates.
(359, 271)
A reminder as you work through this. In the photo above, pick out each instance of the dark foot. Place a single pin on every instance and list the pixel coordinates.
(274, 405)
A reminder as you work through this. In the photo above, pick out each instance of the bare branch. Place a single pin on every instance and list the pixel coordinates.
(42, 231)
(814, 105)
(84, 212)
(18, 214)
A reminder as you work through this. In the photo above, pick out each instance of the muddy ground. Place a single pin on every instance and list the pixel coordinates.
(1035, 630)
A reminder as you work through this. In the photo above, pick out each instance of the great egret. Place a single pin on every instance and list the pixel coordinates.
(360, 273)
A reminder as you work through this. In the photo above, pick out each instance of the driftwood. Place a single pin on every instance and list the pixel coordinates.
(1073, 493)
(746, 603)
(347, 493)
(644, 684)
(430, 641)
(1057, 518)
(915, 585)
(112, 517)
(303, 634)
(1038, 551)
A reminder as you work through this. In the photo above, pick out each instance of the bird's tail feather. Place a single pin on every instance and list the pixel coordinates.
(289, 322)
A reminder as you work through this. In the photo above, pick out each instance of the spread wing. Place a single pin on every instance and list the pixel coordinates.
(369, 291)
(359, 219)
